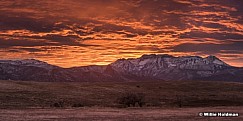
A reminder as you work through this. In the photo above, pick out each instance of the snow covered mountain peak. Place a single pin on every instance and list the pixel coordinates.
(27, 62)
(162, 62)
(169, 60)
(215, 60)
(169, 67)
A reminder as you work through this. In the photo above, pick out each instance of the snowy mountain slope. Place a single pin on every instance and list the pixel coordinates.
(145, 68)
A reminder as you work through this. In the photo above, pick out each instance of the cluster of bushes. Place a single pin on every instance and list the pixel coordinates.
(132, 99)
(61, 104)
(129, 99)
(58, 104)
(77, 105)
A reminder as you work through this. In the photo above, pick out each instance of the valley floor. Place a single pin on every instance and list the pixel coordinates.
(117, 114)
(100, 101)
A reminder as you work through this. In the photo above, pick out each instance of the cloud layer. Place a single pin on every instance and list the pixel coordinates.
(84, 32)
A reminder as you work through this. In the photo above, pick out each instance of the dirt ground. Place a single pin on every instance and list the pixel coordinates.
(115, 114)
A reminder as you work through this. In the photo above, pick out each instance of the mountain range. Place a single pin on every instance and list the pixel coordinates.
(146, 68)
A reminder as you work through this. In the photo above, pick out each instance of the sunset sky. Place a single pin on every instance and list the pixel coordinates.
(71, 33)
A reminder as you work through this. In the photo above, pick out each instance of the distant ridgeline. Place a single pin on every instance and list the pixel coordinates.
(146, 68)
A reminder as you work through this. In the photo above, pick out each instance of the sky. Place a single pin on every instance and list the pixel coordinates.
(72, 33)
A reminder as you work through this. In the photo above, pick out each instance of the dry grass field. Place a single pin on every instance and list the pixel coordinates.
(115, 114)
(175, 100)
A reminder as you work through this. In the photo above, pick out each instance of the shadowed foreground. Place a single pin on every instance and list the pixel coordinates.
(129, 114)
(167, 94)
(25, 101)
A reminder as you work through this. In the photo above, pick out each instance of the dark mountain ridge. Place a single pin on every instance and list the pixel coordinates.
(146, 68)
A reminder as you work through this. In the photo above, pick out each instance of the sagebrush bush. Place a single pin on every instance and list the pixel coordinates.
(58, 104)
(77, 105)
(131, 99)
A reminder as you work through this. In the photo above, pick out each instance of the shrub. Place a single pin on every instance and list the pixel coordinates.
(179, 101)
(58, 104)
(78, 105)
(131, 99)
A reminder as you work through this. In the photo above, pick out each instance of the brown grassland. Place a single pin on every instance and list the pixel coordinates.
(164, 100)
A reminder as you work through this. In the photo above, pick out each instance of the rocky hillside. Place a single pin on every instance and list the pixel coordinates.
(145, 68)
